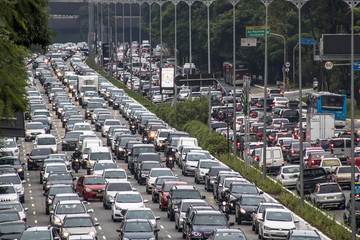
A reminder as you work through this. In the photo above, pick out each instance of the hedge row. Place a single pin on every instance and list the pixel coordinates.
(191, 116)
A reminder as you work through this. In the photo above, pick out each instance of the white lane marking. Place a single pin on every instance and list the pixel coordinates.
(29, 184)
(35, 221)
(100, 228)
(28, 180)
(169, 236)
(104, 237)
(161, 226)
(34, 212)
(33, 205)
(95, 218)
(31, 198)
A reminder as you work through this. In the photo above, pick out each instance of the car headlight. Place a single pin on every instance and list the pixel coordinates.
(267, 228)
(66, 234)
(20, 170)
(118, 208)
(151, 238)
(121, 149)
(243, 211)
(196, 234)
(176, 206)
(49, 201)
(143, 175)
(88, 189)
(173, 149)
(92, 233)
(48, 186)
(64, 142)
(211, 181)
(202, 173)
(71, 87)
(57, 220)
(126, 239)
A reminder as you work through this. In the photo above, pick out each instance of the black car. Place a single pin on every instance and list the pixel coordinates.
(211, 175)
(137, 229)
(347, 212)
(37, 156)
(43, 232)
(144, 169)
(143, 157)
(54, 178)
(236, 190)
(246, 206)
(12, 229)
(158, 185)
(120, 147)
(13, 162)
(203, 222)
(52, 191)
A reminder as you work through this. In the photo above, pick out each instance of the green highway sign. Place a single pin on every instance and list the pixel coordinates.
(256, 31)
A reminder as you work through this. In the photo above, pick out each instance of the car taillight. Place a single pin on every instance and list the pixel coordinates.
(256, 158)
(282, 176)
(293, 151)
(238, 144)
(282, 163)
(284, 148)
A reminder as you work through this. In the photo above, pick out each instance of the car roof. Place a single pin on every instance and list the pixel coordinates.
(309, 233)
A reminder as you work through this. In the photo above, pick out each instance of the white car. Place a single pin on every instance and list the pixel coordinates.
(281, 101)
(101, 165)
(276, 223)
(154, 173)
(9, 145)
(32, 129)
(125, 200)
(115, 175)
(107, 124)
(46, 141)
(288, 175)
(203, 168)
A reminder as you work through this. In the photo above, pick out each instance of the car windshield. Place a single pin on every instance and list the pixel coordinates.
(321, 155)
(102, 166)
(330, 162)
(244, 189)
(70, 208)
(12, 228)
(5, 154)
(94, 181)
(185, 206)
(64, 189)
(229, 236)
(119, 187)
(38, 235)
(9, 216)
(59, 176)
(115, 174)
(128, 198)
(10, 179)
(263, 207)
(8, 144)
(149, 166)
(329, 188)
(196, 157)
(251, 201)
(100, 156)
(186, 194)
(212, 220)
(61, 198)
(304, 238)
(7, 189)
(82, 128)
(140, 214)
(137, 151)
(279, 216)
(291, 170)
(46, 141)
(78, 222)
(208, 165)
(164, 172)
(16, 206)
(137, 227)
(60, 168)
(347, 170)
(34, 126)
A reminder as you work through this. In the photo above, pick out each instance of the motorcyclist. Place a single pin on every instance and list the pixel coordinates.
(75, 155)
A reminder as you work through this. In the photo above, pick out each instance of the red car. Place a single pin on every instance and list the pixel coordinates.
(91, 187)
(164, 192)
(356, 159)
(315, 158)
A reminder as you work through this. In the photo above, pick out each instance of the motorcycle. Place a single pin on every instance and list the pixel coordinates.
(133, 129)
(170, 162)
(76, 165)
(224, 208)
(145, 139)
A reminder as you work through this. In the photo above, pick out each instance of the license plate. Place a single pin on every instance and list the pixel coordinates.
(330, 197)
(99, 195)
(268, 164)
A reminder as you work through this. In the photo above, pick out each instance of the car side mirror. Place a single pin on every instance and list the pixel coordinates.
(146, 201)
(96, 224)
(28, 154)
(231, 224)
(203, 197)
(157, 218)
(118, 230)
(23, 164)
(90, 210)
(296, 221)
(51, 212)
(261, 192)
(26, 209)
(156, 229)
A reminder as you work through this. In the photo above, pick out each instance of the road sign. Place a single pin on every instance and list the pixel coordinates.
(329, 65)
(287, 69)
(256, 31)
(305, 41)
(248, 42)
(287, 64)
(356, 66)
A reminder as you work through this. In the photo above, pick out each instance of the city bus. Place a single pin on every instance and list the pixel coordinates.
(242, 68)
(326, 102)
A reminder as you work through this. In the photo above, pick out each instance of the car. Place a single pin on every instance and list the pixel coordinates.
(190, 162)
(141, 213)
(67, 208)
(77, 225)
(33, 129)
(229, 234)
(342, 175)
(100, 166)
(91, 187)
(61, 197)
(155, 191)
(276, 223)
(154, 173)
(288, 175)
(246, 206)
(37, 156)
(258, 214)
(137, 229)
(59, 178)
(40, 232)
(144, 169)
(8, 215)
(347, 212)
(183, 207)
(211, 175)
(202, 223)
(202, 168)
(46, 141)
(8, 193)
(314, 158)
(123, 201)
(328, 195)
(52, 191)
(176, 194)
(9, 144)
(12, 229)
(15, 163)
(51, 168)
(111, 189)
(115, 175)
(70, 140)
(14, 179)
(17, 206)
(303, 234)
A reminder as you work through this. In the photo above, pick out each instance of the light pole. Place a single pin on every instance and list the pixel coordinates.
(266, 3)
(283, 68)
(123, 21)
(190, 3)
(352, 4)
(115, 45)
(294, 63)
(131, 54)
(234, 2)
(109, 40)
(150, 2)
(299, 4)
(160, 3)
(140, 2)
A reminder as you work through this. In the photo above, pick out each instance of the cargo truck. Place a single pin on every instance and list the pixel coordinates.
(86, 83)
(320, 126)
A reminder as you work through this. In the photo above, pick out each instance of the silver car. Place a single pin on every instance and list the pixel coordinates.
(142, 213)
(80, 224)
(328, 195)
(67, 208)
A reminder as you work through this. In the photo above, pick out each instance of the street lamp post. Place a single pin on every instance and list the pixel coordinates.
(115, 45)
(234, 2)
(352, 4)
(123, 21)
(266, 3)
(190, 3)
(299, 4)
(283, 68)
(160, 3)
(150, 2)
(140, 2)
(294, 63)
(131, 55)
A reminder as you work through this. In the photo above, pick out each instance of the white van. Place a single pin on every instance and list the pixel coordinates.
(274, 159)
(46, 141)
(340, 148)
(190, 141)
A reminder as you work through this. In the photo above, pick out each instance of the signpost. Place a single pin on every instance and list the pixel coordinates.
(305, 41)
(248, 42)
(329, 65)
(257, 31)
(356, 66)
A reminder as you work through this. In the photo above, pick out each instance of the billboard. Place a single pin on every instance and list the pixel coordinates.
(339, 44)
(167, 78)
(13, 128)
